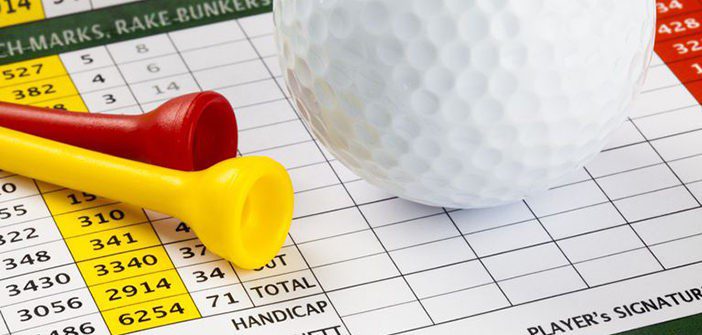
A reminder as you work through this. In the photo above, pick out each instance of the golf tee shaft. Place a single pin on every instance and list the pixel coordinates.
(90, 131)
(133, 182)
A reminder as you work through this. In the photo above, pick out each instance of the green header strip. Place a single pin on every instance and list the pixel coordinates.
(115, 24)
(687, 325)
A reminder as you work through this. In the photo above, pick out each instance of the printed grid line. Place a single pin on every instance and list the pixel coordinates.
(625, 219)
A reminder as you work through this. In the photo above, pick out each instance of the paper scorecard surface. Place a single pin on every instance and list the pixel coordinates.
(616, 246)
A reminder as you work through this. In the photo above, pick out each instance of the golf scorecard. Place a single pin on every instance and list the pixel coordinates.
(614, 248)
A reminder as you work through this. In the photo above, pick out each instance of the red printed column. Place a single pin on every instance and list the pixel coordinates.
(679, 41)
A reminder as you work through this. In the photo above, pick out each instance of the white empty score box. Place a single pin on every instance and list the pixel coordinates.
(449, 279)
(295, 155)
(231, 75)
(696, 189)
(218, 55)
(321, 200)
(623, 159)
(465, 303)
(670, 227)
(253, 93)
(324, 151)
(341, 248)
(363, 192)
(638, 181)
(354, 272)
(396, 210)
(327, 225)
(688, 169)
(474, 220)
(313, 176)
(656, 203)
(286, 133)
(257, 25)
(679, 146)
(542, 284)
(618, 267)
(371, 296)
(264, 114)
(675, 122)
(273, 65)
(662, 100)
(388, 320)
(432, 255)
(217, 33)
(344, 173)
(511, 237)
(627, 134)
(579, 175)
(284, 87)
(265, 45)
(600, 244)
(415, 232)
(520, 262)
(679, 252)
(582, 220)
(566, 198)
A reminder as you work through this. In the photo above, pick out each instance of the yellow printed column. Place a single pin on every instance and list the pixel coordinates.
(40, 82)
(14, 12)
(127, 270)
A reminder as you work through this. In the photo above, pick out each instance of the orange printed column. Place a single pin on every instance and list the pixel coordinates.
(679, 41)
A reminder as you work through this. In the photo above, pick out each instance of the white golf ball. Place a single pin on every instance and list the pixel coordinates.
(464, 103)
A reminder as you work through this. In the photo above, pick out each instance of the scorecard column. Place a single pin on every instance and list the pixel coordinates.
(221, 58)
(39, 282)
(41, 82)
(156, 72)
(237, 67)
(122, 260)
(670, 123)
(152, 69)
(339, 261)
(99, 82)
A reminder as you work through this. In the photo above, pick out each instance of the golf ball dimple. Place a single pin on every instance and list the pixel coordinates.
(462, 103)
